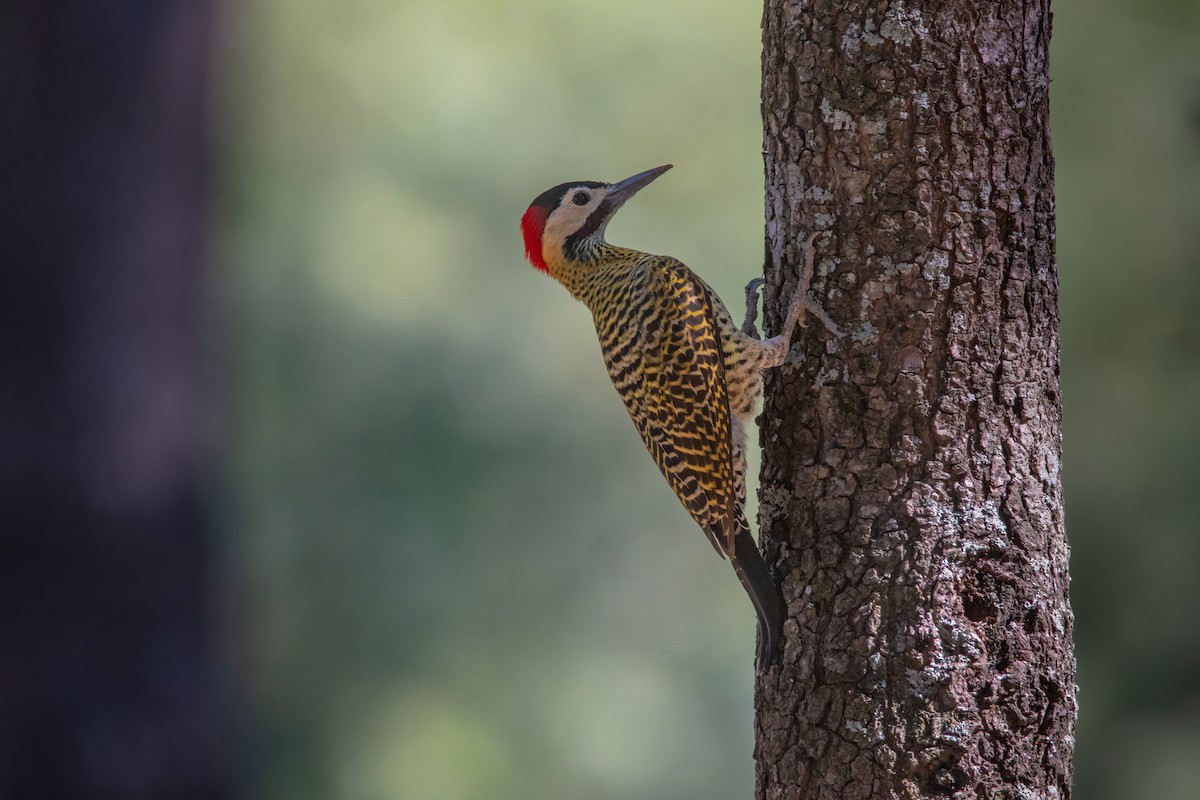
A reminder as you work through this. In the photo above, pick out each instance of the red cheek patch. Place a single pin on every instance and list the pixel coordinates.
(533, 224)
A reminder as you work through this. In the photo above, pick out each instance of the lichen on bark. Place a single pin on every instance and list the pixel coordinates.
(910, 497)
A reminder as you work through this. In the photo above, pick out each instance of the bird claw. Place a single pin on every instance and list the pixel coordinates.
(752, 290)
(803, 304)
(802, 301)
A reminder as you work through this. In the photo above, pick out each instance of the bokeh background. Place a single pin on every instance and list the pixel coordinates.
(455, 574)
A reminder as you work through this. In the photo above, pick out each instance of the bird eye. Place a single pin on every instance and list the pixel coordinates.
(581, 199)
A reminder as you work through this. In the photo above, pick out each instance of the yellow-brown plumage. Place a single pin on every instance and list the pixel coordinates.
(687, 375)
(662, 346)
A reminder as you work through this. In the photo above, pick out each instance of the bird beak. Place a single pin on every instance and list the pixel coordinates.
(621, 191)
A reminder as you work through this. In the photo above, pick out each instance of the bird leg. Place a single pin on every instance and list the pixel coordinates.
(802, 301)
(777, 346)
(748, 326)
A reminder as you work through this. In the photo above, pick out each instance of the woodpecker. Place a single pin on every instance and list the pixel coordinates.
(688, 376)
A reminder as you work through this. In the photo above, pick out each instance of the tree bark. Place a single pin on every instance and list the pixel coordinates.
(910, 495)
(109, 683)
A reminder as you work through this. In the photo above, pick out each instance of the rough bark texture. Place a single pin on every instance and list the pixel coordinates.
(109, 685)
(910, 488)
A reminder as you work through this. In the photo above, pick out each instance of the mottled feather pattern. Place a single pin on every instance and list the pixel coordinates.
(668, 343)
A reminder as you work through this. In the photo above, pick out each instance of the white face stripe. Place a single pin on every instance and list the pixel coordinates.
(568, 217)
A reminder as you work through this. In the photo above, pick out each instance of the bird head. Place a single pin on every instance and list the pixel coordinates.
(565, 222)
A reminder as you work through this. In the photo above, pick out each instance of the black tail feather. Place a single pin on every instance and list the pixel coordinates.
(759, 583)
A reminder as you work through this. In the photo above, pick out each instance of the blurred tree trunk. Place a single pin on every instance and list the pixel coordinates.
(108, 680)
(910, 486)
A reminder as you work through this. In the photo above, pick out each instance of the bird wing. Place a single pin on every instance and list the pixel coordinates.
(678, 400)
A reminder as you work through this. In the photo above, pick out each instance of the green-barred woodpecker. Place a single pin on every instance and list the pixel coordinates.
(688, 376)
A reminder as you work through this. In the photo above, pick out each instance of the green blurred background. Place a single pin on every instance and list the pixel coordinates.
(457, 573)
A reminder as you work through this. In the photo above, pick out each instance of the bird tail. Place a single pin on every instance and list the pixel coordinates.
(759, 583)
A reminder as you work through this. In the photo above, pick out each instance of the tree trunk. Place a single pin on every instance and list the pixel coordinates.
(109, 685)
(910, 494)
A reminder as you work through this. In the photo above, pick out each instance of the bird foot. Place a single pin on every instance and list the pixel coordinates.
(752, 289)
(802, 301)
